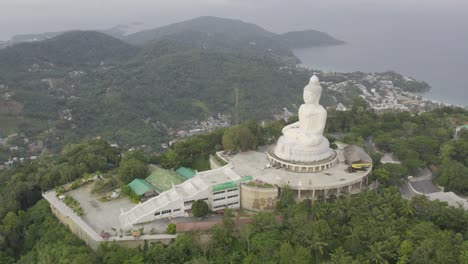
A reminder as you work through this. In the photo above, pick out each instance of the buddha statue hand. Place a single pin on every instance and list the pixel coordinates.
(294, 125)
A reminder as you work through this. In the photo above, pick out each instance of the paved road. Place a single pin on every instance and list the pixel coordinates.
(423, 182)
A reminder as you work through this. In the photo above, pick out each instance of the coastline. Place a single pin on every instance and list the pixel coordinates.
(443, 72)
(383, 91)
(422, 97)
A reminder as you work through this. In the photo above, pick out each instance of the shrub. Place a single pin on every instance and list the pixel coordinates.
(130, 193)
(171, 228)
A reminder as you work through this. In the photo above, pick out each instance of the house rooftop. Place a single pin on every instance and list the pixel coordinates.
(140, 186)
(163, 179)
(185, 172)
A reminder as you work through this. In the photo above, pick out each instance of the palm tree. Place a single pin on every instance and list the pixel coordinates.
(375, 254)
(340, 256)
(407, 209)
(379, 253)
(317, 245)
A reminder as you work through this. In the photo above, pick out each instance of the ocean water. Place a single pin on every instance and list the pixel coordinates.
(440, 60)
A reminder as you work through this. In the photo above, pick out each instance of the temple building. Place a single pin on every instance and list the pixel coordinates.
(301, 161)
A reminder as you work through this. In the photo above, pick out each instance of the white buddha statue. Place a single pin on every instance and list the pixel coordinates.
(303, 141)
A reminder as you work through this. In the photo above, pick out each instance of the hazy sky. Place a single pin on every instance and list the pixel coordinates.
(336, 16)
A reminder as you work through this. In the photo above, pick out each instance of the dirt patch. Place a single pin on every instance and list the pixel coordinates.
(10, 107)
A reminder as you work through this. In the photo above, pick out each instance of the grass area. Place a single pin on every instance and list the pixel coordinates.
(259, 184)
(219, 160)
(163, 179)
(74, 205)
(201, 164)
(106, 185)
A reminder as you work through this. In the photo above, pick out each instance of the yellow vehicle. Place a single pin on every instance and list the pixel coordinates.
(361, 166)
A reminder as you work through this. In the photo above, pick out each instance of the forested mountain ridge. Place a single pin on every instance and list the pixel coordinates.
(229, 35)
(132, 95)
(217, 34)
(74, 48)
(205, 24)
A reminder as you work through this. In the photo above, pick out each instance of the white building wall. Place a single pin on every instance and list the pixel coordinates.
(227, 198)
(150, 215)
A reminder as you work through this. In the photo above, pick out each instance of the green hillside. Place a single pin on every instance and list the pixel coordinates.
(86, 84)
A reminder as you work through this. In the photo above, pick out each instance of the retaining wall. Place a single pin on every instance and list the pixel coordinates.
(258, 198)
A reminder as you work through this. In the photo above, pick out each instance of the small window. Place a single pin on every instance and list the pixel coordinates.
(232, 196)
(176, 210)
(157, 213)
(219, 199)
(232, 190)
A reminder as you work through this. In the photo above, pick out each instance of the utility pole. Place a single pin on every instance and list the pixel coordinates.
(237, 105)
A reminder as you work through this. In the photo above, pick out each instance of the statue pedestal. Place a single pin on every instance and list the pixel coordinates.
(297, 166)
(293, 150)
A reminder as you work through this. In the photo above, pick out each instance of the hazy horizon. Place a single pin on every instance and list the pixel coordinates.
(38, 16)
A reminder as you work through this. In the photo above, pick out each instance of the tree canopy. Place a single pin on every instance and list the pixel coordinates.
(200, 208)
(239, 138)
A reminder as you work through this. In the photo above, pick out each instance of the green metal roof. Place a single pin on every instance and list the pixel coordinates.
(140, 186)
(163, 179)
(232, 184)
(187, 173)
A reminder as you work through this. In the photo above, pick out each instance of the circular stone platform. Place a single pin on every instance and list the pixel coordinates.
(334, 181)
(293, 166)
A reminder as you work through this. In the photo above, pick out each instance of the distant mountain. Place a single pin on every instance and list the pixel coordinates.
(68, 49)
(118, 31)
(217, 34)
(206, 24)
(307, 39)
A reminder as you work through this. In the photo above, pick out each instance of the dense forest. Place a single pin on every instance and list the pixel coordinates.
(371, 227)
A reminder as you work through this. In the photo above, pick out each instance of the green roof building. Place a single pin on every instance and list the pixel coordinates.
(163, 179)
(142, 187)
(185, 172)
(232, 184)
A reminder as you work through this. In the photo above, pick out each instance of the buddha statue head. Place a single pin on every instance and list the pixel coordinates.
(313, 91)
